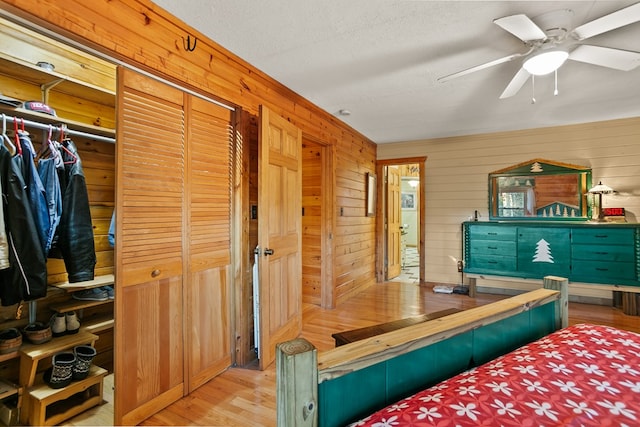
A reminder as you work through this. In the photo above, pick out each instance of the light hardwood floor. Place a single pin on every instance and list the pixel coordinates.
(247, 397)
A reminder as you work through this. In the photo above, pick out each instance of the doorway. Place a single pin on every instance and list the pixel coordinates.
(400, 227)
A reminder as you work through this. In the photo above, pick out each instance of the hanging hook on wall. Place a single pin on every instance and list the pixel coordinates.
(187, 44)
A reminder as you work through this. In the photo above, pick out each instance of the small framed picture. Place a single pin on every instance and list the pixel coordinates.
(408, 201)
(371, 194)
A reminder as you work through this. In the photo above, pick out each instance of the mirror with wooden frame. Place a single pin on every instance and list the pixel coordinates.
(540, 190)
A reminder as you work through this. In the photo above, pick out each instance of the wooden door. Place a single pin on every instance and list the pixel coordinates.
(149, 349)
(394, 219)
(279, 232)
(207, 310)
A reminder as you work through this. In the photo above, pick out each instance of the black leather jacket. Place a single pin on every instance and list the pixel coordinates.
(74, 241)
(26, 278)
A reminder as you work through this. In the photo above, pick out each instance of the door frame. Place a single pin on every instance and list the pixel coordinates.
(381, 212)
(327, 274)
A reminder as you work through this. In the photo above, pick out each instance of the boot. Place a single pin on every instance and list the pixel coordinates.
(84, 357)
(60, 373)
(72, 323)
(58, 325)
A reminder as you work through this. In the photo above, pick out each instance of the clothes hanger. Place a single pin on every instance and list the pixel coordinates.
(5, 138)
(16, 135)
(53, 151)
(62, 145)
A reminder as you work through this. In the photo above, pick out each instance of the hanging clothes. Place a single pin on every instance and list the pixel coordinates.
(4, 244)
(74, 236)
(35, 189)
(112, 230)
(53, 194)
(26, 278)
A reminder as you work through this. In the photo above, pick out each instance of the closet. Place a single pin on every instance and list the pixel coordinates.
(173, 258)
(163, 171)
(74, 98)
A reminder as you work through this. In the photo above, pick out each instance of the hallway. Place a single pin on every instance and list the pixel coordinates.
(410, 271)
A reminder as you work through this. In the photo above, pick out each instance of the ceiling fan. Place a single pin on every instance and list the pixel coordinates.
(551, 42)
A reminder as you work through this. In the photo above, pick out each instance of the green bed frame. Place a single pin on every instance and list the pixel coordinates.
(349, 382)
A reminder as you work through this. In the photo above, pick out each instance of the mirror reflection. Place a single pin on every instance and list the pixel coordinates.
(540, 189)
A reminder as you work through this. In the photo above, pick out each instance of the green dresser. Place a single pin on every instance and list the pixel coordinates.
(582, 252)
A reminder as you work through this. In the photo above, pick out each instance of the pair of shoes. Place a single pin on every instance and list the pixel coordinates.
(64, 323)
(67, 366)
(92, 294)
(109, 290)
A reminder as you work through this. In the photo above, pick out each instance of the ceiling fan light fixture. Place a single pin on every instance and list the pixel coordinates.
(545, 62)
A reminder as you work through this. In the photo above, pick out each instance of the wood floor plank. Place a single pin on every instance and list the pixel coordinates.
(246, 397)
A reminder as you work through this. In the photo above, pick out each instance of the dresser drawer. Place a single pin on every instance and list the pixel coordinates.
(602, 271)
(493, 264)
(603, 236)
(617, 253)
(493, 247)
(487, 232)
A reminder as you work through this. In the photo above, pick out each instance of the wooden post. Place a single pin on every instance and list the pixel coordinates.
(562, 308)
(472, 287)
(629, 304)
(297, 384)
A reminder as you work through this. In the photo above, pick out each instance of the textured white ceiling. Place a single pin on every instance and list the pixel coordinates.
(380, 59)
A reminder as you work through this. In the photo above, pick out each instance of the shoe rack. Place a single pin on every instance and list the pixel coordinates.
(43, 405)
(93, 325)
(95, 317)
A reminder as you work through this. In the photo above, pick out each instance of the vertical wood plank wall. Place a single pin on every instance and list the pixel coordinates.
(457, 174)
(311, 222)
(139, 32)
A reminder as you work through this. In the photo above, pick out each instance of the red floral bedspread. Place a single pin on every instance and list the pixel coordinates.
(584, 375)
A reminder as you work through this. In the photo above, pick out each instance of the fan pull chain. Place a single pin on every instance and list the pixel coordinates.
(533, 89)
(555, 91)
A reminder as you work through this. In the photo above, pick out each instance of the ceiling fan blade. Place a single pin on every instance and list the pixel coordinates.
(516, 83)
(619, 59)
(480, 67)
(522, 27)
(609, 22)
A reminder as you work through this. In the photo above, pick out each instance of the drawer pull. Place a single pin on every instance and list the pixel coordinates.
(602, 269)
(601, 236)
(601, 253)
(492, 234)
(492, 247)
(155, 273)
(492, 262)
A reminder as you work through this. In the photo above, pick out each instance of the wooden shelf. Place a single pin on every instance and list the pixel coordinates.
(31, 73)
(75, 305)
(106, 280)
(31, 354)
(48, 406)
(56, 121)
(97, 325)
(8, 356)
(8, 389)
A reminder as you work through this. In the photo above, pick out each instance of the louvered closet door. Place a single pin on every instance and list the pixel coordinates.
(207, 314)
(149, 361)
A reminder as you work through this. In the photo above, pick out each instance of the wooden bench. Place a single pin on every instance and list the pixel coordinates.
(347, 337)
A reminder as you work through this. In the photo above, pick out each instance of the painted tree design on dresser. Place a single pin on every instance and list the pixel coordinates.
(543, 252)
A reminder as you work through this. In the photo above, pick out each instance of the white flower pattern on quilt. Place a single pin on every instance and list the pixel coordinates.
(583, 375)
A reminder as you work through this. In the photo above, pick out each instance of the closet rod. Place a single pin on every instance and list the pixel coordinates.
(67, 131)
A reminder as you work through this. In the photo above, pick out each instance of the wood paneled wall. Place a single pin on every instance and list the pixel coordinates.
(312, 204)
(141, 33)
(457, 171)
(354, 239)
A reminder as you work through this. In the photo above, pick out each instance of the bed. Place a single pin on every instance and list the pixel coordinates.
(583, 375)
(367, 382)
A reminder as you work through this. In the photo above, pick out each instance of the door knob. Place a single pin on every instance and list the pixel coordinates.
(268, 251)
